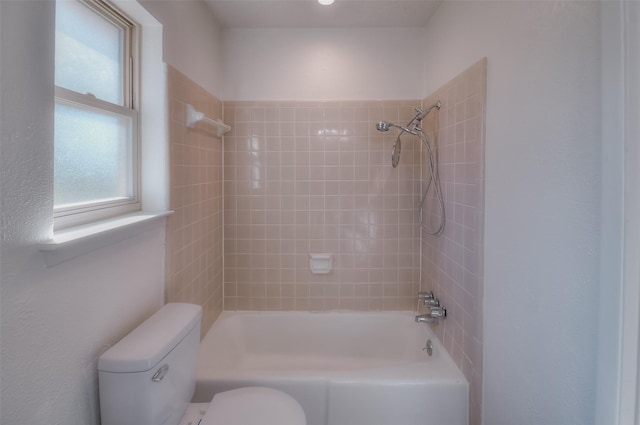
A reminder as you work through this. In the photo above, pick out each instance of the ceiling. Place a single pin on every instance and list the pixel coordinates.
(310, 14)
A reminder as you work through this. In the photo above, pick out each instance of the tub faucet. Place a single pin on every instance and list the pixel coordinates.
(432, 303)
(433, 316)
(423, 296)
(426, 318)
(428, 299)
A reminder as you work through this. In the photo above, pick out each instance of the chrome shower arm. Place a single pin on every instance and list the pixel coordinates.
(421, 114)
(436, 105)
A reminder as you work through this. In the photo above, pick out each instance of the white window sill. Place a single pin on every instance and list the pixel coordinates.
(73, 242)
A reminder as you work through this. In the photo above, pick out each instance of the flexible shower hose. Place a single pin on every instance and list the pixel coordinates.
(434, 180)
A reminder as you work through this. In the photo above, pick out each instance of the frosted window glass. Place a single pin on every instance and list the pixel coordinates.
(93, 156)
(88, 52)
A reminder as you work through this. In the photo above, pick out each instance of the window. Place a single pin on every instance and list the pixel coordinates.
(96, 124)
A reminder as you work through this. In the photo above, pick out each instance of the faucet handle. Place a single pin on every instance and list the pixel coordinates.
(439, 312)
(431, 302)
(424, 296)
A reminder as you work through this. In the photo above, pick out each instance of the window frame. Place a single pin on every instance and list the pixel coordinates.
(83, 213)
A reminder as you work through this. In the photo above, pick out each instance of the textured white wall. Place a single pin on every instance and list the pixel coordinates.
(322, 64)
(542, 198)
(615, 90)
(56, 321)
(192, 40)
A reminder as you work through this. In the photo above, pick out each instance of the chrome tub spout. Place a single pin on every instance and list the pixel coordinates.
(433, 316)
(426, 318)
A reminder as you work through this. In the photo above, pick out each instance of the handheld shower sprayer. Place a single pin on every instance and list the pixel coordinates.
(383, 126)
(414, 128)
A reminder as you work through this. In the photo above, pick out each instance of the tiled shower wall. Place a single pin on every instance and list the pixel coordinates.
(194, 231)
(316, 177)
(452, 262)
(305, 177)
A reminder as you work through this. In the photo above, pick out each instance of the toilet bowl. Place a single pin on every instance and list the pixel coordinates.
(246, 406)
(249, 406)
(148, 378)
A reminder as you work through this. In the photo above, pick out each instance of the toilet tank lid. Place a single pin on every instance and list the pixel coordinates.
(145, 346)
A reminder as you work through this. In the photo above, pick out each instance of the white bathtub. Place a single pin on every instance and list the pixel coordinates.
(343, 368)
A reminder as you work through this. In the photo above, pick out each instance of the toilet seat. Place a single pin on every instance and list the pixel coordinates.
(254, 406)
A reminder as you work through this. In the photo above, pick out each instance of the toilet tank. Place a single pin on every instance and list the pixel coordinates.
(148, 377)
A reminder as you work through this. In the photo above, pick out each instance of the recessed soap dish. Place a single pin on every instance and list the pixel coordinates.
(320, 263)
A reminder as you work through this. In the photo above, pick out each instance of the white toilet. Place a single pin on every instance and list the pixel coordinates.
(148, 378)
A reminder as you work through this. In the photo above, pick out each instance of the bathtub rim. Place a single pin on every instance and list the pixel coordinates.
(452, 373)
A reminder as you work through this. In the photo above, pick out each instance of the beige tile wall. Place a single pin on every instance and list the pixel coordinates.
(194, 232)
(452, 262)
(303, 177)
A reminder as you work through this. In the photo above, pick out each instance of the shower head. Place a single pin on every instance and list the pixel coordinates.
(414, 125)
(383, 126)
